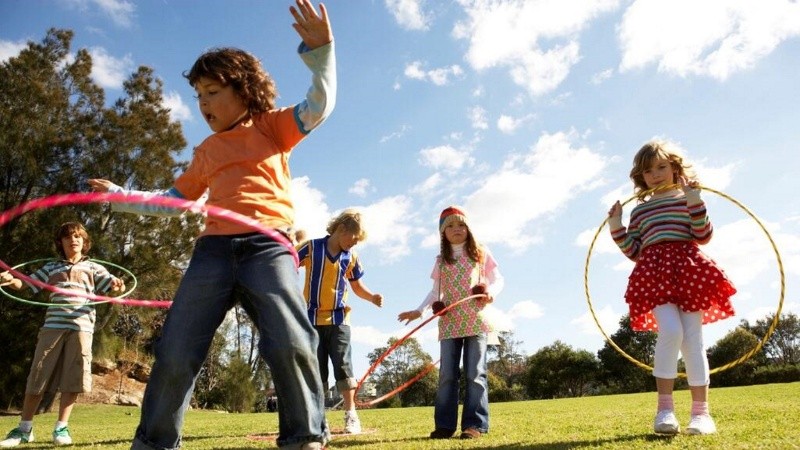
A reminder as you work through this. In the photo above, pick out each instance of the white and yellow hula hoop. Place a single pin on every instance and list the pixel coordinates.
(731, 364)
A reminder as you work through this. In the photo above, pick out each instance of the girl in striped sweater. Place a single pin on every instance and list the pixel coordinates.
(674, 288)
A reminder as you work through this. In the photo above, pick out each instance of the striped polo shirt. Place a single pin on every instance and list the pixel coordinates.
(83, 277)
(326, 279)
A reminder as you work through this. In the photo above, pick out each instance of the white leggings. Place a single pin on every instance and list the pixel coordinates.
(679, 330)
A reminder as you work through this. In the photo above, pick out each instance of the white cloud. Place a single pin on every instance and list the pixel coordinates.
(386, 221)
(429, 185)
(369, 336)
(311, 212)
(387, 224)
(510, 33)
(712, 38)
(360, 187)
(409, 14)
(445, 157)
(477, 116)
(508, 125)
(602, 76)
(608, 318)
(10, 49)
(178, 111)
(526, 309)
(439, 77)
(395, 134)
(742, 249)
(506, 321)
(121, 12)
(108, 71)
(545, 179)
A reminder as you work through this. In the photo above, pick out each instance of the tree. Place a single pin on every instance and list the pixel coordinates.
(56, 132)
(783, 347)
(559, 371)
(507, 364)
(618, 373)
(406, 361)
(237, 388)
(728, 349)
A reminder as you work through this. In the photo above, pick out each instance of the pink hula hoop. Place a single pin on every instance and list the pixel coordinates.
(97, 197)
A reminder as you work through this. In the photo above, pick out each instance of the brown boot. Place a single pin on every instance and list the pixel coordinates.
(470, 433)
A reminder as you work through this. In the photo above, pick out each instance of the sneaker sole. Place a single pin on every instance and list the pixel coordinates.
(667, 430)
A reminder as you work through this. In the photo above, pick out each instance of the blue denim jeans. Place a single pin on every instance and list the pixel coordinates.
(261, 274)
(475, 413)
(334, 344)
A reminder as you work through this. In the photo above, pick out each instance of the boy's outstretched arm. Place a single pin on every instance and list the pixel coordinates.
(362, 291)
(103, 185)
(313, 28)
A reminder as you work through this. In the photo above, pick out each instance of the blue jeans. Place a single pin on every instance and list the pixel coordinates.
(475, 413)
(261, 273)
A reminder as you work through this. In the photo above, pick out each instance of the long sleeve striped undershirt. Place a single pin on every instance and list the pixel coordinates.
(663, 220)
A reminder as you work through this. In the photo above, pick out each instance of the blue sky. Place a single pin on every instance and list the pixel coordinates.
(527, 113)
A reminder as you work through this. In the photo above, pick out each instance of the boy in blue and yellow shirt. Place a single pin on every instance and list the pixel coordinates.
(330, 264)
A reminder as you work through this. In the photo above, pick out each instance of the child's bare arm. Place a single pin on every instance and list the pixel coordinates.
(364, 292)
(408, 316)
(313, 28)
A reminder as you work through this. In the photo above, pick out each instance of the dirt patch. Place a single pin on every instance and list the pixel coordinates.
(114, 388)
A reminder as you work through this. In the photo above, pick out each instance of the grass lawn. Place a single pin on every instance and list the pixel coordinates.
(764, 417)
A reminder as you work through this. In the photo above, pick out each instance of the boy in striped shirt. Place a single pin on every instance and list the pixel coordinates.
(330, 264)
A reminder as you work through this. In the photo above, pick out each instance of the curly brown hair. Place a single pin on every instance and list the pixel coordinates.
(655, 150)
(239, 69)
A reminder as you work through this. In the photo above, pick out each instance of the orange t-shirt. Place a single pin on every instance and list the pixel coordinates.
(246, 170)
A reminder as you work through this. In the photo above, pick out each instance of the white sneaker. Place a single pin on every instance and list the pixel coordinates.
(701, 424)
(16, 437)
(352, 424)
(666, 422)
(312, 446)
(61, 436)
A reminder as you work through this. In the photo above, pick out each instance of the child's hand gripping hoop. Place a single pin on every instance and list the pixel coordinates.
(731, 364)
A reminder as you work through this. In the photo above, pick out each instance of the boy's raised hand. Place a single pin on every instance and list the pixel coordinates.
(313, 28)
(377, 300)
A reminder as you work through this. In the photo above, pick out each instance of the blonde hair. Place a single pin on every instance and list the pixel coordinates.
(68, 229)
(655, 150)
(350, 219)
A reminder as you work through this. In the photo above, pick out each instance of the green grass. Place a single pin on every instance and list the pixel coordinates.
(766, 416)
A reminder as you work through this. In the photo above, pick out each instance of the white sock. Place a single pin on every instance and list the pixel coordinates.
(60, 425)
(25, 426)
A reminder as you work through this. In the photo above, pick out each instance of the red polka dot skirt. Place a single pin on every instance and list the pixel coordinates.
(679, 273)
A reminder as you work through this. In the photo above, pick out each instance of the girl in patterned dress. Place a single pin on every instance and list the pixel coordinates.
(463, 268)
(674, 287)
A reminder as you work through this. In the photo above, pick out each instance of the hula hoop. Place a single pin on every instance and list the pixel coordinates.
(98, 261)
(723, 367)
(172, 202)
(394, 346)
